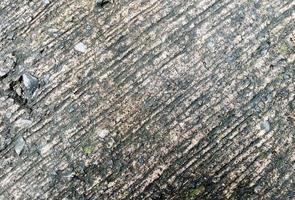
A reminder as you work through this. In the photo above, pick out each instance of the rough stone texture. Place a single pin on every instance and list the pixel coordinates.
(147, 99)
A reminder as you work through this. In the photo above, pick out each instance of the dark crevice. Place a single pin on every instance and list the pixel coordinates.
(20, 100)
(102, 3)
(3, 77)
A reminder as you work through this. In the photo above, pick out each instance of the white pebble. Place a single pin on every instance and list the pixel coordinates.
(103, 133)
(81, 47)
(46, 1)
(27, 80)
(23, 123)
(19, 145)
(266, 126)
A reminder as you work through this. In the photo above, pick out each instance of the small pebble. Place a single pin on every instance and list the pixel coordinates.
(31, 83)
(81, 47)
(23, 123)
(52, 30)
(265, 126)
(46, 78)
(103, 133)
(46, 1)
(2, 142)
(19, 145)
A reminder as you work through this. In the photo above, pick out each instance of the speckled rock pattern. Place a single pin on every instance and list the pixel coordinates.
(147, 99)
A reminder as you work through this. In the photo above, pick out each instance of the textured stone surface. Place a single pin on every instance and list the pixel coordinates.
(158, 99)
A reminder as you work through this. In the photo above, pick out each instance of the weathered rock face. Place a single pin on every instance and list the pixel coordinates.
(159, 99)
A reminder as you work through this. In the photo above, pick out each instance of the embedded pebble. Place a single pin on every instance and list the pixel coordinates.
(46, 1)
(19, 145)
(265, 125)
(31, 83)
(44, 149)
(2, 142)
(103, 133)
(46, 78)
(81, 47)
(23, 123)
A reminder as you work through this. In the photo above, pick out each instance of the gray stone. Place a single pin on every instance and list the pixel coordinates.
(31, 83)
(19, 145)
(265, 125)
(23, 123)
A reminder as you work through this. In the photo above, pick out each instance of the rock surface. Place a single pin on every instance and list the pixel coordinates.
(158, 99)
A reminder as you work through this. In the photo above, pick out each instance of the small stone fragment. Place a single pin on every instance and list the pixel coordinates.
(44, 149)
(2, 142)
(81, 47)
(46, 1)
(31, 83)
(19, 145)
(46, 78)
(103, 133)
(265, 125)
(23, 123)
